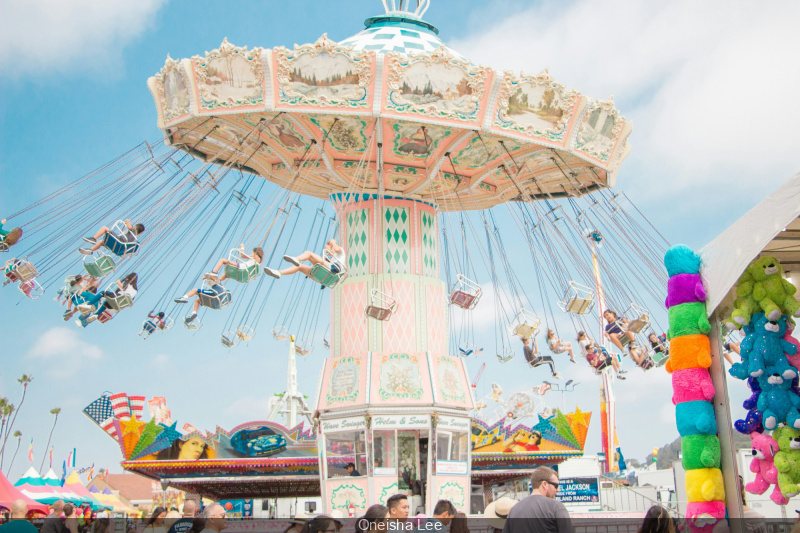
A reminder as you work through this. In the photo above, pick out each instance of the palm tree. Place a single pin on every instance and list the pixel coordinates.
(55, 411)
(5, 411)
(24, 381)
(18, 435)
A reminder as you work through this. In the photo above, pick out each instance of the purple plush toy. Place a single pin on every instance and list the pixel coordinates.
(685, 288)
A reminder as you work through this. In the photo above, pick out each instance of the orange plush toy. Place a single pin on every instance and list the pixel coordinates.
(689, 351)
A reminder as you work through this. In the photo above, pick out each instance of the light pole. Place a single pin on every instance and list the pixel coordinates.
(164, 487)
(569, 386)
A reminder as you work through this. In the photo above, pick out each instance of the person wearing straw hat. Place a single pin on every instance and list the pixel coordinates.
(297, 523)
(497, 512)
(540, 512)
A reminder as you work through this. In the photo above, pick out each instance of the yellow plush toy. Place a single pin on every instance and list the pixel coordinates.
(705, 485)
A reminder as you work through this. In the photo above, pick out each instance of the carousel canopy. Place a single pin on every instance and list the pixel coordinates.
(389, 111)
(772, 228)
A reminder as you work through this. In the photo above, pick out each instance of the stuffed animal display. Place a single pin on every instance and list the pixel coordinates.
(763, 466)
(773, 293)
(745, 305)
(693, 391)
(767, 347)
(787, 460)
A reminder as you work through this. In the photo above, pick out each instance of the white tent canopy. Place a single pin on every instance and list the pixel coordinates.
(772, 228)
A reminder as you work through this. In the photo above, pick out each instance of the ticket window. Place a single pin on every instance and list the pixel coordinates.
(342, 449)
(451, 452)
(397, 454)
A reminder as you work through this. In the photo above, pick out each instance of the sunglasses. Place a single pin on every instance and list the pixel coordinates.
(551, 483)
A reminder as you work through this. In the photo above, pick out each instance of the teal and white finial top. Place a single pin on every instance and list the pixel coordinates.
(392, 7)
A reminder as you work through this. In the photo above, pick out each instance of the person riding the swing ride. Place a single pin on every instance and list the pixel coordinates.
(209, 290)
(597, 356)
(104, 236)
(247, 262)
(615, 331)
(99, 301)
(558, 346)
(333, 260)
(10, 237)
(534, 359)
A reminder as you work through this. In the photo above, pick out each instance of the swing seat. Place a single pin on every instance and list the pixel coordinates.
(382, 306)
(85, 309)
(245, 333)
(578, 300)
(31, 289)
(322, 275)
(120, 241)
(281, 333)
(638, 319)
(148, 328)
(3, 245)
(105, 316)
(23, 271)
(68, 291)
(505, 356)
(465, 294)
(466, 351)
(100, 265)
(302, 348)
(241, 275)
(194, 325)
(659, 358)
(119, 302)
(214, 296)
(229, 339)
(525, 324)
(325, 343)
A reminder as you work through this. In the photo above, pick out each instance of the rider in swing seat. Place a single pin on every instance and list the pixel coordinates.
(213, 291)
(558, 346)
(101, 237)
(248, 261)
(332, 247)
(9, 237)
(533, 359)
(614, 331)
(597, 356)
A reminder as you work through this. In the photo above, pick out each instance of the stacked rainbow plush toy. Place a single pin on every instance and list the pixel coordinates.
(692, 389)
(770, 361)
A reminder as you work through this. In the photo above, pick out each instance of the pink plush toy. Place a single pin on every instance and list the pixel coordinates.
(763, 466)
(703, 517)
(684, 288)
(691, 384)
(794, 360)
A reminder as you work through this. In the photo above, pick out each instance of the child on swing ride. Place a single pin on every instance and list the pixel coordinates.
(332, 247)
(100, 238)
(613, 332)
(533, 359)
(597, 356)
(558, 346)
(91, 311)
(9, 237)
(215, 290)
(248, 261)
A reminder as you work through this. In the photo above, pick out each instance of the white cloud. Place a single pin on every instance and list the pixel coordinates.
(80, 35)
(64, 352)
(709, 85)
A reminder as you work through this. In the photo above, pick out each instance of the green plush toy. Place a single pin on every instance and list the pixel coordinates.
(700, 451)
(745, 305)
(787, 460)
(688, 319)
(774, 294)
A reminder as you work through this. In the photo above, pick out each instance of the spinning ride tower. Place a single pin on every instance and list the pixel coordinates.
(392, 126)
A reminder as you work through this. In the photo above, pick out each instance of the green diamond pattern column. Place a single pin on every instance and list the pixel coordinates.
(428, 245)
(358, 242)
(396, 245)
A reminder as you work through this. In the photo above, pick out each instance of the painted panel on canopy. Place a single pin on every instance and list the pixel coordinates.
(345, 492)
(402, 177)
(172, 92)
(483, 151)
(451, 382)
(323, 75)
(456, 489)
(359, 176)
(413, 142)
(282, 135)
(229, 78)
(343, 135)
(400, 378)
(536, 107)
(344, 382)
(436, 85)
(601, 129)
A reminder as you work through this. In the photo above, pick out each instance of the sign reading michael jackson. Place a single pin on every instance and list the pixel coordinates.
(579, 490)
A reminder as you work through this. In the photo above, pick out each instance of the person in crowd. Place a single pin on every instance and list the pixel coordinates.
(375, 519)
(534, 359)
(657, 520)
(184, 524)
(198, 524)
(249, 260)
(597, 356)
(335, 266)
(557, 346)
(614, 329)
(459, 524)
(443, 513)
(540, 512)
(9, 237)
(398, 507)
(130, 235)
(171, 519)
(322, 524)
(70, 518)
(496, 513)
(215, 518)
(18, 522)
(53, 522)
(155, 522)
(100, 525)
(351, 470)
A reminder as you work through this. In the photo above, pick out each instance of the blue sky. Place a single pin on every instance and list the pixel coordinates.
(711, 90)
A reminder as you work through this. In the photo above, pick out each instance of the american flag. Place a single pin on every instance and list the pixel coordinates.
(137, 406)
(120, 405)
(100, 410)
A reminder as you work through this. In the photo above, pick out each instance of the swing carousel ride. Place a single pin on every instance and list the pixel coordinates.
(421, 165)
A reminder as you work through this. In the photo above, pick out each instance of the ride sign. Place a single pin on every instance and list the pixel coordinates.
(579, 490)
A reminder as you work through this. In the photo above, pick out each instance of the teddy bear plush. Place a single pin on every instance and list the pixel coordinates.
(705, 485)
(787, 460)
(745, 306)
(703, 517)
(766, 347)
(701, 451)
(690, 384)
(689, 351)
(794, 359)
(688, 319)
(751, 423)
(694, 418)
(685, 288)
(763, 466)
(681, 259)
(777, 402)
(774, 294)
